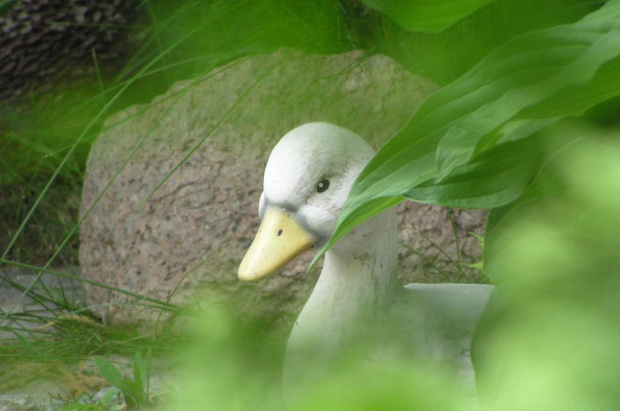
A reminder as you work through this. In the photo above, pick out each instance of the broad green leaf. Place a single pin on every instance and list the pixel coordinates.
(114, 377)
(426, 15)
(363, 212)
(498, 176)
(551, 73)
(108, 371)
(520, 88)
(552, 326)
(569, 146)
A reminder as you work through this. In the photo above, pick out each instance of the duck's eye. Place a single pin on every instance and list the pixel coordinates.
(322, 186)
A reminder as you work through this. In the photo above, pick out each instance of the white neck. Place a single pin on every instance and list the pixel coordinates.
(358, 280)
(357, 283)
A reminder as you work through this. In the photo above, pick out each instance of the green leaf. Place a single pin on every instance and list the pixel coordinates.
(499, 176)
(109, 396)
(142, 372)
(139, 376)
(517, 90)
(129, 389)
(363, 212)
(547, 194)
(544, 74)
(426, 15)
(108, 371)
(551, 326)
(147, 371)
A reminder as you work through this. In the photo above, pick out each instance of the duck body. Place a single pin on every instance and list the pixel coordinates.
(358, 308)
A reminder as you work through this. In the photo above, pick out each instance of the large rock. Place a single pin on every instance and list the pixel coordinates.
(46, 43)
(180, 179)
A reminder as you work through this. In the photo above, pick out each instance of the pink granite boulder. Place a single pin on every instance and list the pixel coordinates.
(171, 189)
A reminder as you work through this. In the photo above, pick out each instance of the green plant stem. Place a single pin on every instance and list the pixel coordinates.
(456, 242)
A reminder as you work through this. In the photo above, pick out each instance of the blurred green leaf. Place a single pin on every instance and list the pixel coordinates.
(142, 372)
(232, 364)
(131, 390)
(542, 196)
(382, 386)
(518, 89)
(549, 337)
(139, 376)
(426, 15)
(108, 371)
(109, 397)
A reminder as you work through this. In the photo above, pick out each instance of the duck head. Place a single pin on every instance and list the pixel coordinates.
(307, 179)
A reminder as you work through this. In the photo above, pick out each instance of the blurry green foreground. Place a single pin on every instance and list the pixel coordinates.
(551, 335)
(235, 367)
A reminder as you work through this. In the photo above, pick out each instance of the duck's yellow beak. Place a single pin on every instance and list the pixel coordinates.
(278, 241)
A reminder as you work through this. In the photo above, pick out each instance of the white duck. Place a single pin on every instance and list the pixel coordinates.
(357, 301)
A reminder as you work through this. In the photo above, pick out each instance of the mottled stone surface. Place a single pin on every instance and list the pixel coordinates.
(44, 42)
(18, 403)
(181, 178)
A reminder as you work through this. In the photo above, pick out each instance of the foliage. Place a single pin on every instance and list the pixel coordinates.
(550, 333)
(548, 336)
(136, 392)
(470, 144)
(231, 364)
(484, 140)
(427, 15)
(107, 403)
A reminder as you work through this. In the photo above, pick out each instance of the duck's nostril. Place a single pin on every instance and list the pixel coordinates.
(279, 233)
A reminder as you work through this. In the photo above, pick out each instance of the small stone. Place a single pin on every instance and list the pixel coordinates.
(18, 403)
